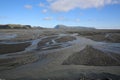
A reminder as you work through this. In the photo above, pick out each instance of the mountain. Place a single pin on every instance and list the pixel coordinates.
(15, 26)
(60, 27)
(72, 27)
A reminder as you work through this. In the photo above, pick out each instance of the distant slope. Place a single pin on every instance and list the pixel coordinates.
(60, 27)
(72, 27)
(38, 27)
(15, 26)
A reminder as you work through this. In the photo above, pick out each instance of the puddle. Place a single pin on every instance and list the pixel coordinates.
(4, 36)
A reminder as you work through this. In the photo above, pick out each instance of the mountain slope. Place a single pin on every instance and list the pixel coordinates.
(72, 27)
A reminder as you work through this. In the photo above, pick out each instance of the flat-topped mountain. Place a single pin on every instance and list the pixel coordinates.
(72, 27)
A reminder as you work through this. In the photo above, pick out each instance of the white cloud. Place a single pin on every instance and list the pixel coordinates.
(67, 5)
(47, 18)
(77, 20)
(116, 1)
(50, 0)
(28, 6)
(44, 10)
(61, 18)
(42, 5)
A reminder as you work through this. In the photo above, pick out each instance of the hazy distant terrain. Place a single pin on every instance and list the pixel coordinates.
(62, 53)
(15, 26)
(73, 27)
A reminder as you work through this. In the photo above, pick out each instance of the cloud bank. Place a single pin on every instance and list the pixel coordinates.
(42, 5)
(67, 5)
(28, 6)
(48, 18)
(44, 11)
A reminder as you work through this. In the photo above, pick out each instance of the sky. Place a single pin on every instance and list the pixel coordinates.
(101, 14)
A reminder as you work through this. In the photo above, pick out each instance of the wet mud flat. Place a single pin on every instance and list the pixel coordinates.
(101, 35)
(79, 76)
(110, 37)
(12, 48)
(59, 57)
(13, 62)
(4, 36)
(65, 39)
(14, 55)
(20, 53)
(54, 42)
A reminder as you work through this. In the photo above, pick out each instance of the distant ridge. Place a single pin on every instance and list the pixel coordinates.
(72, 27)
(15, 26)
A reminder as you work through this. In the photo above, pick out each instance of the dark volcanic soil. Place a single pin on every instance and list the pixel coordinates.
(11, 48)
(65, 39)
(101, 35)
(115, 37)
(93, 57)
(80, 76)
(45, 40)
(15, 61)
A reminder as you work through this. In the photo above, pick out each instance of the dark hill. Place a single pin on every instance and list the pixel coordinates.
(15, 26)
(73, 27)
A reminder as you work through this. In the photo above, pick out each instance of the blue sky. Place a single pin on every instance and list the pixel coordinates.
(48, 13)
